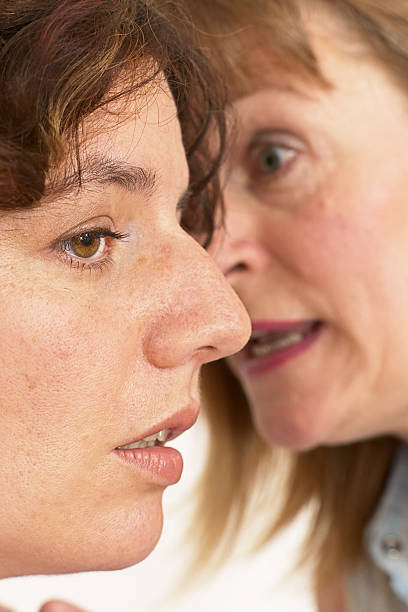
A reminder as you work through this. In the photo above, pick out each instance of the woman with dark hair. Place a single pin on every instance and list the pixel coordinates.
(108, 306)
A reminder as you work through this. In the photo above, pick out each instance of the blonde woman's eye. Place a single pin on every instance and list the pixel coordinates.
(272, 159)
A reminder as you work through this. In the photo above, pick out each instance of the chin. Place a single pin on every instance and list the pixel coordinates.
(100, 540)
(127, 539)
(292, 427)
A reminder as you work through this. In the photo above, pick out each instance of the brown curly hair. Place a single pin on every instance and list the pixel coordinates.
(60, 61)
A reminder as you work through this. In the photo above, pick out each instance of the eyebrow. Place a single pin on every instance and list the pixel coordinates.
(117, 172)
(103, 171)
(287, 89)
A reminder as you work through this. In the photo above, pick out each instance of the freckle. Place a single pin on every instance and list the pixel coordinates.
(30, 382)
(165, 250)
(63, 351)
(62, 354)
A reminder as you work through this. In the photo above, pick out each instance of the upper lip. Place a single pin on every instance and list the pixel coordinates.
(178, 423)
(294, 325)
(261, 327)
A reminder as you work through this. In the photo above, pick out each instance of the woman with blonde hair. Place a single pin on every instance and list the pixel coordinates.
(315, 242)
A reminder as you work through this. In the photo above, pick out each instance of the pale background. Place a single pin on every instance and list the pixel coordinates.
(263, 582)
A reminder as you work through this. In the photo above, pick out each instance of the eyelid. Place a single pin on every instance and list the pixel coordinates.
(277, 138)
(90, 225)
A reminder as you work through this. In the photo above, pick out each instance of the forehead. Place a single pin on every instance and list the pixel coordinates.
(144, 124)
(317, 29)
(137, 131)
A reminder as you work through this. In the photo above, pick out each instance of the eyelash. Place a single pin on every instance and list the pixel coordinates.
(82, 264)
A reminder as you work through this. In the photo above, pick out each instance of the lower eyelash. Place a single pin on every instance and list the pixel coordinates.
(82, 266)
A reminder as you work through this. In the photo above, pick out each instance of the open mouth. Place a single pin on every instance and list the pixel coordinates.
(265, 342)
(157, 439)
(273, 343)
(149, 456)
(163, 432)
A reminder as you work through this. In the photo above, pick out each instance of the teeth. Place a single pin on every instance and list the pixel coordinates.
(148, 441)
(260, 350)
(140, 444)
(163, 435)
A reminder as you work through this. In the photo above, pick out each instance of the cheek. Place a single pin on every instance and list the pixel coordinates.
(356, 282)
(362, 267)
(346, 266)
(330, 248)
(55, 363)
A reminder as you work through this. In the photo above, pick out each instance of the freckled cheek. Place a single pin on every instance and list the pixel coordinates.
(58, 353)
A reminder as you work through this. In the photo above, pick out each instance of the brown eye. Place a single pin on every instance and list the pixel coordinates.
(89, 249)
(86, 245)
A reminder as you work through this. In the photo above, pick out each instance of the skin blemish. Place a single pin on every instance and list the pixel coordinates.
(31, 383)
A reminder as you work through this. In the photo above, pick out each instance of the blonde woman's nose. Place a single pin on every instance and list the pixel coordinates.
(236, 247)
(203, 320)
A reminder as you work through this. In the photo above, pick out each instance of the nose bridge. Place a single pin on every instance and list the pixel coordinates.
(201, 317)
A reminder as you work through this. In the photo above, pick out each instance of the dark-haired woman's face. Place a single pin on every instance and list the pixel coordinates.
(108, 309)
(317, 248)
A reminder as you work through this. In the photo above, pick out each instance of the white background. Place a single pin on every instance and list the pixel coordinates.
(264, 582)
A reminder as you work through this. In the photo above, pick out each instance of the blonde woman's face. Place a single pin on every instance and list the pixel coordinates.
(108, 309)
(316, 246)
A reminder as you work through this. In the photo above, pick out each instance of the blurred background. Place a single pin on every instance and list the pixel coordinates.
(265, 581)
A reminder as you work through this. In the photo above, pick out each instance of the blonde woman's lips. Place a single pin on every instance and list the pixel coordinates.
(275, 343)
(147, 453)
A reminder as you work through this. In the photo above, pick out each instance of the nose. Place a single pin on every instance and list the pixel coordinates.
(202, 319)
(237, 247)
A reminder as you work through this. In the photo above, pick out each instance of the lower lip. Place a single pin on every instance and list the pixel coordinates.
(261, 365)
(161, 465)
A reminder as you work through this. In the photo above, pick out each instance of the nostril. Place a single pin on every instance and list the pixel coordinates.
(207, 351)
(238, 267)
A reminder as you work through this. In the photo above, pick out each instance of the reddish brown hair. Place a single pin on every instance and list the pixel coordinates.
(60, 61)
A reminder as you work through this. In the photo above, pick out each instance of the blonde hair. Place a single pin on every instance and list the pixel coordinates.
(342, 483)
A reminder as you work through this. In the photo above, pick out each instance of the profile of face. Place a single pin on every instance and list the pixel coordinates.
(108, 309)
(316, 246)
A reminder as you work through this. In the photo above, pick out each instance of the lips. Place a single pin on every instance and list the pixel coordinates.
(155, 463)
(176, 425)
(273, 343)
(277, 336)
